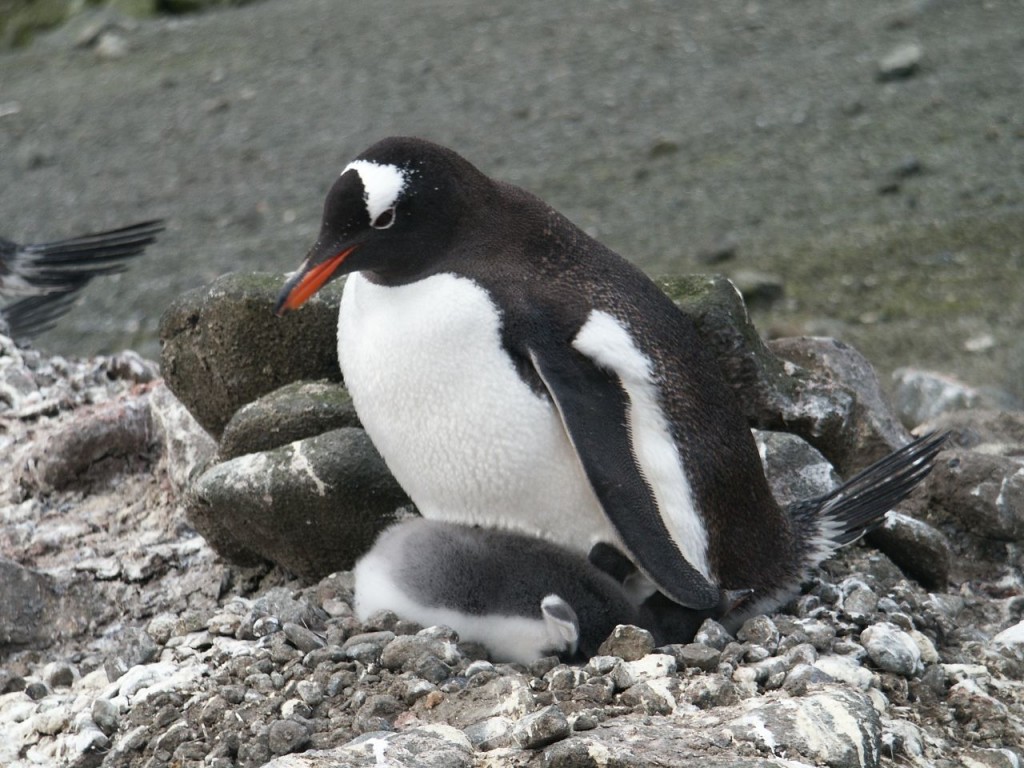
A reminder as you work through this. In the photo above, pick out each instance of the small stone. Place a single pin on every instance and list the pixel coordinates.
(59, 674)
(901, 62)
(304, 639)
(50, 722)
(760, 630)
(310, 692)
(713, 635)
(285, 736)
(492, 733)
(161, 628)
(891, 649)
(698, 655)
(296, 709)
(803, 677)
(845, 670)
(377, 713)
(921, 551)
(106, 715)
(415, 689)
(859, 603)
(37, 691)
(649, 699)
(627, 642)
(111, 46)
(266, 625)
(541, 728)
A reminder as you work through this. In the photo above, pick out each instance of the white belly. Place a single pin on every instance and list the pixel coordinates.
(465, 437)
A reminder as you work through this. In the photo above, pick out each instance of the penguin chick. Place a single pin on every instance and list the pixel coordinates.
(521, 597)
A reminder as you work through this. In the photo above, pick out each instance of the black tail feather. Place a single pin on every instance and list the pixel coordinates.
(30, 317)
(859, 505)
(70, 263)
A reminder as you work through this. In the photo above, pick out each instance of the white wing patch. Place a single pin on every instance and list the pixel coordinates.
(383, 184)
(608, 343)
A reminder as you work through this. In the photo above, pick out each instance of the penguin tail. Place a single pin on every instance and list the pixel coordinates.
(860, 504)
(29, 317)
(64, 265)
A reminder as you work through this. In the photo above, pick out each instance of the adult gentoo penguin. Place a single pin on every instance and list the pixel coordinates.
(520, 596)
(50, 275)
(514, 372)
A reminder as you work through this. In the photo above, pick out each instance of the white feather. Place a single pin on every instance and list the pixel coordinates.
(463, 434)
(382, 183)
(609, 344)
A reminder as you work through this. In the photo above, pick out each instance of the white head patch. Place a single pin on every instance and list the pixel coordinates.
(382, 183)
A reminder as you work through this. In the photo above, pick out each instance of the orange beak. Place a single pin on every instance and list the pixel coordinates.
(307, 281)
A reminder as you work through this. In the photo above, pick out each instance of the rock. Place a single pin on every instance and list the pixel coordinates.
(759, 630)
(759, 289)
(921, 551)
(698, 655)
(1011, 641)
(900, 63)
(93, 445)
(134, 647)
(843, 411)
(713, 635)
(39, 610)
(845, 670)
(541, 728)
(796, 471)
(921, 396)
(296, 411)
(187, 450)
(891, 649)
(314, 506)
(286, 736)
(222, 346)
(429, 746)
(839, 728)
(58, 674)
(996, 432)
(492, 733)
(982, 493)
(628, 643)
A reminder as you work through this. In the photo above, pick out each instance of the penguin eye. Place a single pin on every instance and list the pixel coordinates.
(385, 219)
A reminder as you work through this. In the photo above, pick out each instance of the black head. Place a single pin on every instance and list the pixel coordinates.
(392, 213)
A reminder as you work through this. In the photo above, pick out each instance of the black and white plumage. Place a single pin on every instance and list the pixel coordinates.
(516, 373)
(48, 276)
(521, 597)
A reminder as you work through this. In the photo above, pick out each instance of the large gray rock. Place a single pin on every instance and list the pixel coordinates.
(313, 506)
(920, 550)
(430, 746)
(842, 410)
(982, 493)
(37, 610)
(836, 727)
(295, 411)
(188, 450)
(920, 396)
(221, 346)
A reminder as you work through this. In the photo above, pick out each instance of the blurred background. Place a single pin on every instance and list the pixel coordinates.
(858, 168)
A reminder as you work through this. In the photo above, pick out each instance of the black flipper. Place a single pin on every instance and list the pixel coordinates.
(593, 407)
